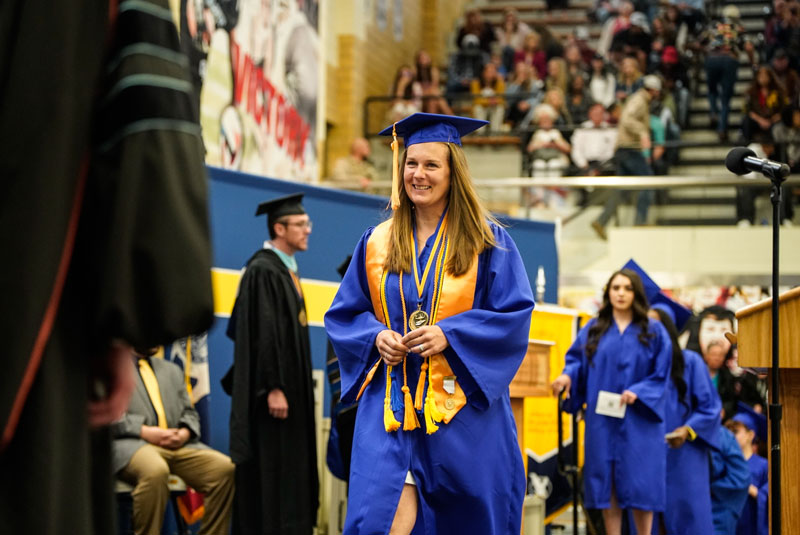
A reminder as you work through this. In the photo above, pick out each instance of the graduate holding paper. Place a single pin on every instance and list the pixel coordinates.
(430, 324)
(622, 352)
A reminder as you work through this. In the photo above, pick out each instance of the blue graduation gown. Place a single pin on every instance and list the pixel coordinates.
(469, 474)
(688, 497)
(628, 452)
(759, 475)
(763, 509)
(730, 478)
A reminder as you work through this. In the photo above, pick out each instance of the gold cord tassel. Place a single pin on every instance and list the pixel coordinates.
(410, 420)
(430, 425)
(368, 380)
(395, 198)
(420, 392)
(390, 423)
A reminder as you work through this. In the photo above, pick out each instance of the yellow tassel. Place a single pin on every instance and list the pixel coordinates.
(395, 170)
(418, 395)
(430, 401)
(410, 421)
(390, 423)
(430, 426)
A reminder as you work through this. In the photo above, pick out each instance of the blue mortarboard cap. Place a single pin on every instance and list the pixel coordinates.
(427, 127)
(754, 421)
(678, 313)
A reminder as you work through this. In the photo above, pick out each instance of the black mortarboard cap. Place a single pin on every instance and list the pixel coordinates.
(282, 206)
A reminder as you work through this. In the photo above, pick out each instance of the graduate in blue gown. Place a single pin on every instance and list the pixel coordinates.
(730, 480)
(746, 425)
(430, 324)
(623, 353)
(693, 416)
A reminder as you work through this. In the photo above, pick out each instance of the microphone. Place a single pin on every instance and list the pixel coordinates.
(741, 160)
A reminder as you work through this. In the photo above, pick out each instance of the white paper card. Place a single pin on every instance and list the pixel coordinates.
(609, 404)
(450, 384)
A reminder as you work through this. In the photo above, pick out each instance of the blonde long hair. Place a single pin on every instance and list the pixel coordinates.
(468, 221)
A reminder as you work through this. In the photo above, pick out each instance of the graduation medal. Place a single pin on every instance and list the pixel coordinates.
(418, 318)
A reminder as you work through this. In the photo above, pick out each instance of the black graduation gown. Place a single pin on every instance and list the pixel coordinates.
(104, 232)
(277, 487)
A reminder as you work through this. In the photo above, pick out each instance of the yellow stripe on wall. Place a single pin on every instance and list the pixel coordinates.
(225, 284)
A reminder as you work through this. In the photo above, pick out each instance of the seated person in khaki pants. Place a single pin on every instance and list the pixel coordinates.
(158, 435)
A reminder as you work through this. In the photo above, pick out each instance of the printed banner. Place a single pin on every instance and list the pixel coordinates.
(255, 66)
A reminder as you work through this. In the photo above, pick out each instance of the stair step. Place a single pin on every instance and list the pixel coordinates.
(692, 222)
(703, 152)
(677, 194)
(701, 104)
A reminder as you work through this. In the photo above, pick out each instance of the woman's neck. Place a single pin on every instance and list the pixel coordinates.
(426, 221)
(623, 318)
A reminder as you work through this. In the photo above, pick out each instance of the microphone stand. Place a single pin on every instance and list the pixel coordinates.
(775, 408)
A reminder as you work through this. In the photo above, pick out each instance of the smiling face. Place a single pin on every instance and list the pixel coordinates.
(426, 175)
(620, 293)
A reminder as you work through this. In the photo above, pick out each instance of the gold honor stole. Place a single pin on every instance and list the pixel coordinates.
(451, 296)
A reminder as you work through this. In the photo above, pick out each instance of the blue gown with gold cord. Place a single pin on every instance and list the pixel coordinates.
(464, 453)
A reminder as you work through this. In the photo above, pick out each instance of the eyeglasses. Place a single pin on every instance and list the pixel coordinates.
(301, 224)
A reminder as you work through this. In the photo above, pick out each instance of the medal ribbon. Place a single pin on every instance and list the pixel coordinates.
(421, 283)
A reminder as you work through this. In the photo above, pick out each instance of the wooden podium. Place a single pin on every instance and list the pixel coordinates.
(532, 379)
(755, 351)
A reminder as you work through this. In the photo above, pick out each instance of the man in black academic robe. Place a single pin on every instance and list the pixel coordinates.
(104, 237)
(272, 429)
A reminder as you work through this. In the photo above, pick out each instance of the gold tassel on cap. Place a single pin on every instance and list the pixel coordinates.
(395, 171)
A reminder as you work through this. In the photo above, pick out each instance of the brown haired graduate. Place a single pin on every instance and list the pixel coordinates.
(619, 367)
(430, 325)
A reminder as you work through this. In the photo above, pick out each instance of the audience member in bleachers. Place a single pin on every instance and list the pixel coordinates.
(356, 167)
(555, 98)
(548, 149)
(510, 35)
(475, 25)
(672, 14)
(692, 421)
(730, 479)
(602, 82)
(786, 75)
(783, 30)
(580, 38)
(635, 40)
(724, 40)
(675, 74)
(593, 144)
(464, 66)
(633, 139)
(655, 156)
(788, 136)
(407, 94)
(533, 54)
(525, 91)
(158, 435)
(556, 74)
(427, 76)
(604, 9)
(693, 12)
(488, 97)
(613, 26)
(764, 105)
(746, 426)
(621, 359)
(550, 42)
(764, 147)
(578, 99)
(629, 79)
(574, 62)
